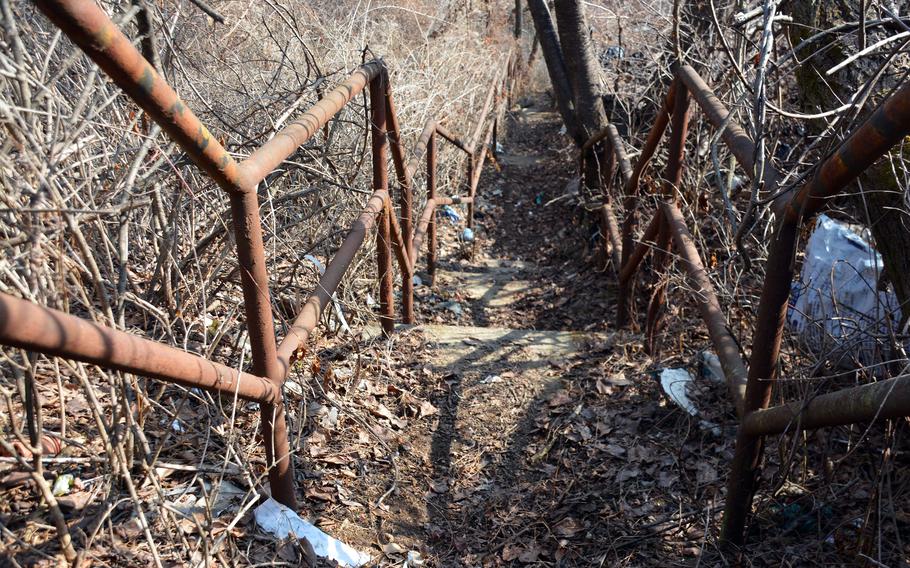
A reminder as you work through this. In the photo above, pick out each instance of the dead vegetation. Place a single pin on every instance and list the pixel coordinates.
(104, 218)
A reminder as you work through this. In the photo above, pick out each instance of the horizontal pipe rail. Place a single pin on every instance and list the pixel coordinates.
(36, 328)
(735, 138)
(887, 126)
(420, 149)
(711, 312)
(271, 154)
(89, 27)
(308, 318)
(864, 403)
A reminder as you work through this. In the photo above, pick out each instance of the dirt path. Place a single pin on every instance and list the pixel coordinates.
(553, 447)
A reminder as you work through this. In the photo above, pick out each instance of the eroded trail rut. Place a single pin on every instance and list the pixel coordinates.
(552, 443)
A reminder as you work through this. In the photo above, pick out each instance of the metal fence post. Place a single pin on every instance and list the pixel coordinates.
(261, 329)
(431, 194)
(380, 146)
(673, 175)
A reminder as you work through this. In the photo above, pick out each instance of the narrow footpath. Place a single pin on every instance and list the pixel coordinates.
(551, 442)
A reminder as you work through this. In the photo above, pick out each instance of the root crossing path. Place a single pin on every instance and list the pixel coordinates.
(552, 443)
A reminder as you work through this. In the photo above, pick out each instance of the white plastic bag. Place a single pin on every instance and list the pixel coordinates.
(276, 519)
(835, 308)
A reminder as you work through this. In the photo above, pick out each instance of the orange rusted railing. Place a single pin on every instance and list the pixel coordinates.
(26, 325)
(750, 386)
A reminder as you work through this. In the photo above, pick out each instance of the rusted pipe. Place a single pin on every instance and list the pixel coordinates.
(727, 348)
(873, 401)
(380, 146)
(401, 235)
(611, 134)
(420, 150)
(740, 144)
(644, 246)
(36, 328)
(619, 150)
(399, 246)
(673, 174)
(89, 27)
(632, 187)
(475, 171)
(426, 219)
(271, 154)
(485, 110)
(308, 318)
(887, 126)
(654, 315)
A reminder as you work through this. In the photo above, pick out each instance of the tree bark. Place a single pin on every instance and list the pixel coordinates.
(883, 198)
(556, 67)
(582, 66)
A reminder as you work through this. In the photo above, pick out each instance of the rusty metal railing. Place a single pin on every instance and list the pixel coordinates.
(35, 328)
(751, 386)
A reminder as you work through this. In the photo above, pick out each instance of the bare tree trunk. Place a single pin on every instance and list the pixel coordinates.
(883, 198)
(556, 67)
(582, 66)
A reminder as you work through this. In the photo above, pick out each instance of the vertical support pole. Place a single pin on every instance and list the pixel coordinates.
(431, 193)
(380, 145)
(495, 136)
(405, 200)
(769, 328)
(261, 329)
(679, 128)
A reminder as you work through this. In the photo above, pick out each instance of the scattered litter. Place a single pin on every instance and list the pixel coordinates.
(449, 212)
(710, 367)
(177, 427)
(63, 484)
(499, 149)
(538, 199)
(279, 521)
(417, 281)
(370, 301)
(414, 560)
(675, 383)
(836, 308)
(329, 418)
(562, 130)
(50, 446)
(226, 497)
(467, 234)
(490, 379)
(612, 52)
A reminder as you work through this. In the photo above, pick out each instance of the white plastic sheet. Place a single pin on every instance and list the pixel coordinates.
(276, 519)
(836, 309)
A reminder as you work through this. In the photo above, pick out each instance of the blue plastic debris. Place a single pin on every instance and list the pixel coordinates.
(451, 214)
(467, 235)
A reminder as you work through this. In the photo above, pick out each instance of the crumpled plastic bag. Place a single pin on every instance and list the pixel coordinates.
(276, 519)
(836, 309)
